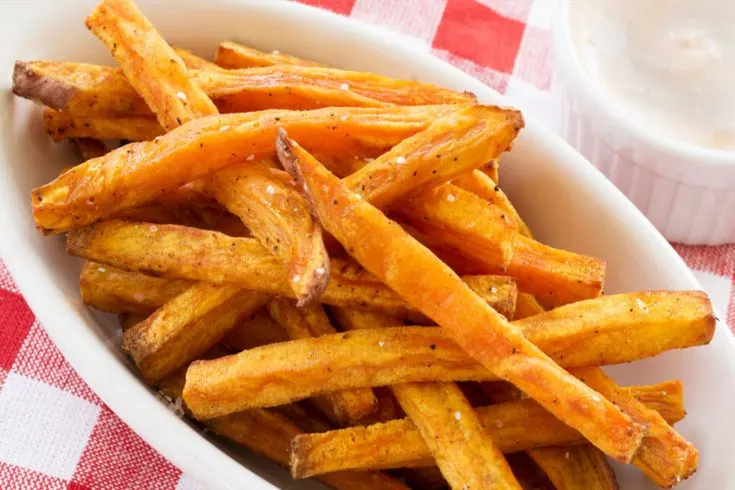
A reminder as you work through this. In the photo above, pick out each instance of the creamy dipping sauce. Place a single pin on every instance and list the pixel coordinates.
(669, 63)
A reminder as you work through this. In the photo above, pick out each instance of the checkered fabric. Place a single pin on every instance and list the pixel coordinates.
(55, 432)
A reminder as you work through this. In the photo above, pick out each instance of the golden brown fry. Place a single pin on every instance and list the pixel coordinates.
(582, 467)
(579, 468)
(478, 183)
(348, 407)
(140, 172)
(279, 218)
(256, 330)
(114, 290)
(151, 66)
(274, 87)
(89, 148)
(182, 252)
(277, 374)
(465, 454)
(447, 422)
(411, 270)
(270, 434)
(233, 55)
(461, 219)
(449, 147)
(129, 320)
(665, 456)
(526, 305)
(192, 61)
(514, 426)
(62, 125)
(491, 169)
(186, 327)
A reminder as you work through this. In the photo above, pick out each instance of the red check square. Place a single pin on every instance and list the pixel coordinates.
(478, 33)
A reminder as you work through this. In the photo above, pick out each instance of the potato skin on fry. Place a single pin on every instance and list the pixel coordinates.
(514, 426)
(277, 374)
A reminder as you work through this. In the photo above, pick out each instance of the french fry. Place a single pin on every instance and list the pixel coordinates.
(465, 454)
(280, 219)
(270, 434)
(665, 456)
(117, 291)
(577, 468)
(348, 407)
(89, 148)
(129, 320)
(491, 169)
(446, 421)
(258, 329)
(149, 66)
(449, 147)
(192, 61)
(232, 55)
(140, 172)
(411, 270)
(274, 87)
(514, 426)
(181, 252)
(582, 467)
(480, 184)
(186, 327)
(62, 125)
(483, 231)
(277, 374)
(527, 305)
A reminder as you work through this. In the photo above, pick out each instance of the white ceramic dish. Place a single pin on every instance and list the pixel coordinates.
(686, 191)
(564, 198)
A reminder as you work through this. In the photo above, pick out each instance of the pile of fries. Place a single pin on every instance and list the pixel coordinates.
(321, 264)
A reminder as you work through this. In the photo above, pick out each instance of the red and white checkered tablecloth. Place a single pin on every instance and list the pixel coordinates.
(56, 433)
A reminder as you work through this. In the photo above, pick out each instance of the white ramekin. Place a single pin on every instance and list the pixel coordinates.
(686, 191)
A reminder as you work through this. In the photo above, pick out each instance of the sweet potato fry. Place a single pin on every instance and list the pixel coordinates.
(279, 218)
(514, 426)
(89, 148)
(465, 454)
(582, 467)
(140, 172)
(478, 183)
(411, 270)
(149, 63)
(579, 468)
(461, 219)
(233, 55)
(449, 147)
(181, 252)
(274, 87)
(62, 125)
(526, 305)
(192, 61)
(348, 407)
(446, 421)
(270, 434)
(186, 327)
(277, 374)
(665, 456)
(117, 291)
(258, 329)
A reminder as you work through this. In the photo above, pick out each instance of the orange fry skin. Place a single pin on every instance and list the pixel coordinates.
(424, 281)
(62, 125)
(140, 172)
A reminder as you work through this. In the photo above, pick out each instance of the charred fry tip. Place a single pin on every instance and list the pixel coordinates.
(27, 83)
